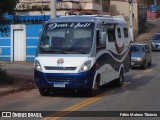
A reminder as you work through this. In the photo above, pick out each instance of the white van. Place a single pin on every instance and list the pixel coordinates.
(82, 53)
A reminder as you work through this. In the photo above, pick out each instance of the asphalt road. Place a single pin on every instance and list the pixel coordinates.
(140, 92)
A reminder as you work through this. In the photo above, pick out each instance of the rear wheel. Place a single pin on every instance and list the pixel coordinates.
(44, 91)
(119, 81)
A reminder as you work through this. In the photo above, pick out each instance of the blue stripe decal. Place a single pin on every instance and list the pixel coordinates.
(106, 58)
(119, 57)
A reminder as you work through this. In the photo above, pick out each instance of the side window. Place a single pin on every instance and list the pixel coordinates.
(119, 32)
(111, 35)
(125, 30)
(99, 44)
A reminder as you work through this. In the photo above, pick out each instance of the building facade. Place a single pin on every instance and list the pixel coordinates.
(103, 7)
(19, 42)
(42, 7)
(139, 13)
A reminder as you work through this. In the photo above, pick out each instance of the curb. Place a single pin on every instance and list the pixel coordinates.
(13, 90)
(22, 82)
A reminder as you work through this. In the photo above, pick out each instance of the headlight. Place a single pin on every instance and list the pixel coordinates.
(86, 66)
(139, 59)
(37, 66)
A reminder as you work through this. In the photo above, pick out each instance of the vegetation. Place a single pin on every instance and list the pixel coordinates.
(5, 78)
(6, 6)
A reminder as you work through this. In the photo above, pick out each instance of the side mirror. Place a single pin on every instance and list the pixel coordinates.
(103, 37)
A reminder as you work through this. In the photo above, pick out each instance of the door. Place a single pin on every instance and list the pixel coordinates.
(19, 45)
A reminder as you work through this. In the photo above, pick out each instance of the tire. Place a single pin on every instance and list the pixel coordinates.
(95, 91)
(150, 63)
(145, 65)
(119, 82)
(43, 91)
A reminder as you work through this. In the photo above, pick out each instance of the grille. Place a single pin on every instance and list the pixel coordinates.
(60, 68)
(59, 79)
(157, 46)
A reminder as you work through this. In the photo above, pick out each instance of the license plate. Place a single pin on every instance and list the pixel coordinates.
(132, 63)
(59, 85)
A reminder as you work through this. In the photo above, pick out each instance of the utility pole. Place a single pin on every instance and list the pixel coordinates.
(131, 18)
(53, 9)
(155, 2)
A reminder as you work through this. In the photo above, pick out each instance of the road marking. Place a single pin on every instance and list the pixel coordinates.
(136, 76)
(148, 70)
(139, 76)
(126, 84)
(78, 106)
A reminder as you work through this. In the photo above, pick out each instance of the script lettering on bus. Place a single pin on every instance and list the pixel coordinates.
(81, 25)
(71, 25)
(56, 25)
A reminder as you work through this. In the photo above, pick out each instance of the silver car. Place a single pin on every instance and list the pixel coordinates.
(156, 42)
(141, 55)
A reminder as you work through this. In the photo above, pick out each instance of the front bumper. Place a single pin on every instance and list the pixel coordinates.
(136, 63)
(155, 47)
(64, 80)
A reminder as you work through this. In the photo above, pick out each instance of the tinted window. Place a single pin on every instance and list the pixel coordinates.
(111, 35)
(119, 32)
(157, 37)
(125, 30)
(137, 48)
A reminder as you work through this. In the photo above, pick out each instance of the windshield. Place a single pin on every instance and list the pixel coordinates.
(138, 48)
(67, 38)
(156, 37)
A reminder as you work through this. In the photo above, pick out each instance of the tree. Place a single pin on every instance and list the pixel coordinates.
(7, 6)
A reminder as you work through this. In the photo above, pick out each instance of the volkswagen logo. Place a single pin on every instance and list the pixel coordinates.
(60, 61)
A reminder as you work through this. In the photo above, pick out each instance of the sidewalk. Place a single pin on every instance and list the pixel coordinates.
(22, 72)
(149, 32)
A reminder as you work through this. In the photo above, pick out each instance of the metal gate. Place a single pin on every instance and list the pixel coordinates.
(18, 43)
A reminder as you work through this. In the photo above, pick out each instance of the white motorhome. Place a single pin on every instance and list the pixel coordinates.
(82, 53)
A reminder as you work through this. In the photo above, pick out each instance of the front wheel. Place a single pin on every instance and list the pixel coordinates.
(96, 90)
(150, 62)
(44, 91)
(145, 65)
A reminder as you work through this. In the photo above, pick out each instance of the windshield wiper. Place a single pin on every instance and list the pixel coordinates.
(73, 51)
(80, 51)
(58, 51)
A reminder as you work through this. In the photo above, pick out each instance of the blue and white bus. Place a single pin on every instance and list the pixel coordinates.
(82, 53)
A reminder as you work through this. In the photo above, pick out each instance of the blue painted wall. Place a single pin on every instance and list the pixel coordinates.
(32, 37)
(5, 43)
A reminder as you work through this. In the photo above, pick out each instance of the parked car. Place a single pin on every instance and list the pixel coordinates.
(156, 41)
(153, 11)
(141, 54)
